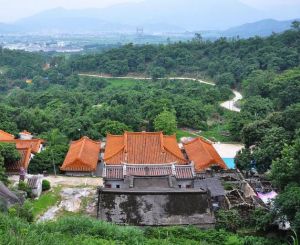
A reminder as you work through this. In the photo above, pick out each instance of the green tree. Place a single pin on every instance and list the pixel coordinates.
(286, 88)
(223, 216)
(257, 107)
(44, 160)
(9, 153)
(285, 170)
(55, 137)
(112, 127)
(3, 176)
(288, 204)
(243, 159)
(296, 25)
(157, 72)
(269, 148)
(166, 122)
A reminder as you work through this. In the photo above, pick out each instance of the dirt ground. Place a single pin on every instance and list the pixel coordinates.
(68, 181)
(72, 201)
(228, 150)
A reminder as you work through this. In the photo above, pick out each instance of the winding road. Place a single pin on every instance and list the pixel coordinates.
(229, 105)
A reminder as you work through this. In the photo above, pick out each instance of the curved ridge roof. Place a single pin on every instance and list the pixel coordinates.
(83, 155)
(142, 148)
(6, 136)
(203, 154)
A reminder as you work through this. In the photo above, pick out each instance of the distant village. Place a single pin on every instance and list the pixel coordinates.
(149, 179)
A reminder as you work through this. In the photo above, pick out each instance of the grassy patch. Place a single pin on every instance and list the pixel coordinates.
(217, 133)
(122, 82)
(181, 133)
(3, 69)
(46, 200)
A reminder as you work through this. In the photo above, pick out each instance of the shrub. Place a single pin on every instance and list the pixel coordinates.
(88, 231)
(261, 219)
(46, 185)
(22, 211)
(23, 186)
(3, 206)
(229, 220)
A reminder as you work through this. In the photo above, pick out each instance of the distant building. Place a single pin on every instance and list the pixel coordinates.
(26, 145)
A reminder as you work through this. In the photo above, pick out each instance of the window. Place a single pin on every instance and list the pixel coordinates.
(118, 186)
(108, 186)
(188, 186)
(179, 186)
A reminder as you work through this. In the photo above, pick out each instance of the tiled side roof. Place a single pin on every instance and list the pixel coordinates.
(25, 156)
(114, 150)
(33, 144)
(203, 154)
(184, 172)
(6, 136)
(142, 148)
(83, 155)
(152, 170)
(114, 172)
(142, 170)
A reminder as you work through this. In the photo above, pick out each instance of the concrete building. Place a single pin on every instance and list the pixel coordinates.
(148, 180)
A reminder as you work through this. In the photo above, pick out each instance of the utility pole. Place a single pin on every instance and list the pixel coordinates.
(54, 168)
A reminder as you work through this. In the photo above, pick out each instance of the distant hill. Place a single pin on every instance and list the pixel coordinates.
(153, 15)
(260, 28)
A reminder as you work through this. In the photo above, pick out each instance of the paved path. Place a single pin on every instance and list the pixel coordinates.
(147, 78)
(230, 104)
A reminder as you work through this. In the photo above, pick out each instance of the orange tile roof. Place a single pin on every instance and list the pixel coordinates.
(203, 154)
(83, 156)
(142, 148)
(33, 144)
(25, 156)
(6, 136)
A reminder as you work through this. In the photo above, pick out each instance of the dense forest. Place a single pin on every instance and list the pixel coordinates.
(59, 105)
(226, 61)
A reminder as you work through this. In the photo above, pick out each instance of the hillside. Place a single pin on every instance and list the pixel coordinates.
(261, 28)
(45, 94)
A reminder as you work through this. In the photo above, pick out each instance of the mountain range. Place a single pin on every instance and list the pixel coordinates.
(154, 16)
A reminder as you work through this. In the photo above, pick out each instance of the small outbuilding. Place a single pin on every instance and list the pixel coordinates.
(203, 154)
(82, 158)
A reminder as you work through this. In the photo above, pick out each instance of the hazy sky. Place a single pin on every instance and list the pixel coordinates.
(11, 10)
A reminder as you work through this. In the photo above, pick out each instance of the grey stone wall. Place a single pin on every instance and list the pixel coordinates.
(79, 174)
(156, 208)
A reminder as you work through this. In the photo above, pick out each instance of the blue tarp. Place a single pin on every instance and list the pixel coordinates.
(229, 162)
